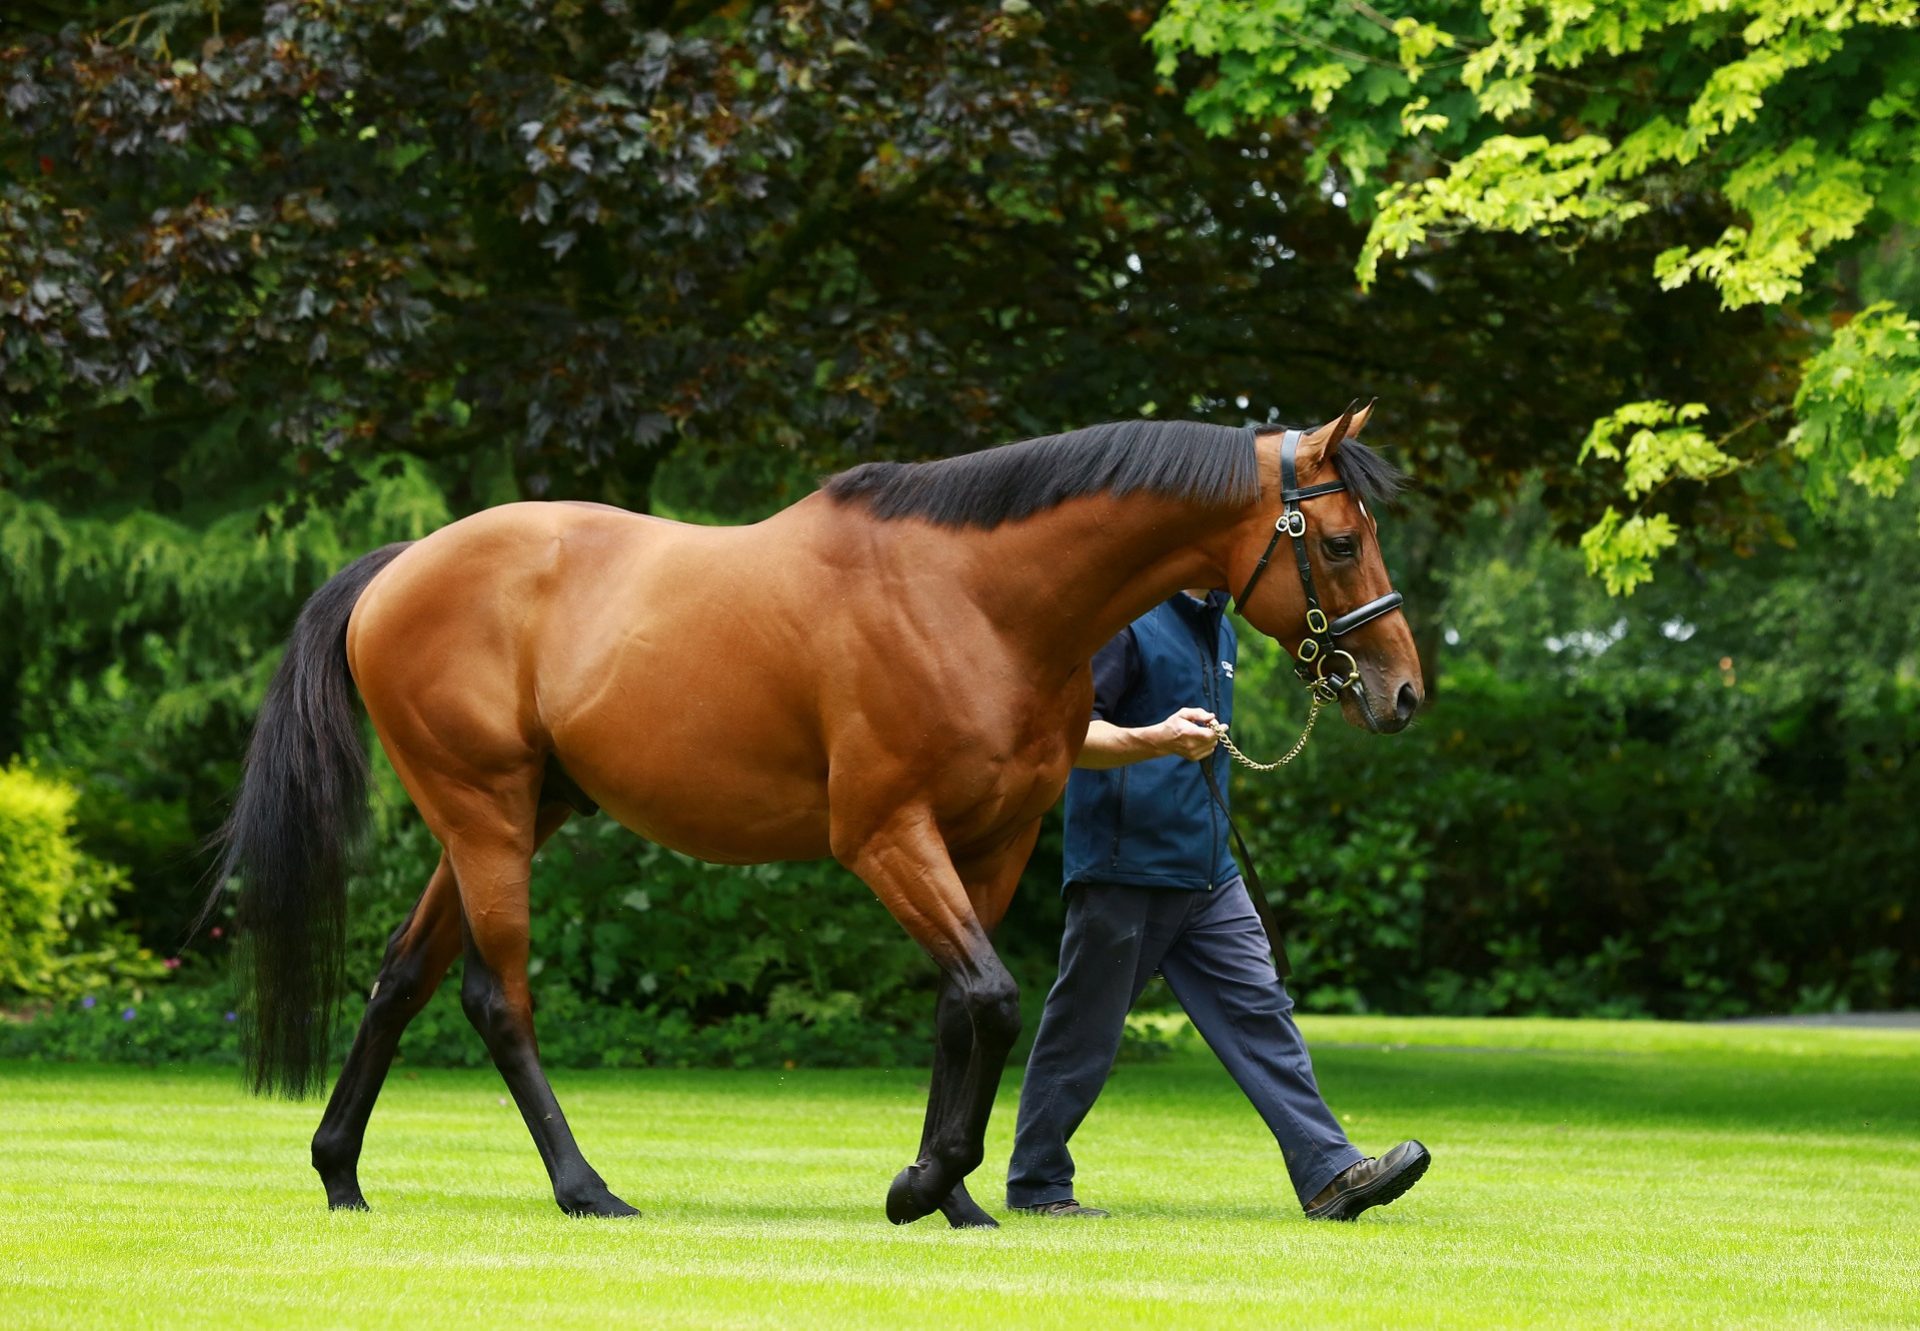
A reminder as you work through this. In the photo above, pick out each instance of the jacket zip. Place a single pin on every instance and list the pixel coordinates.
(1213, 705)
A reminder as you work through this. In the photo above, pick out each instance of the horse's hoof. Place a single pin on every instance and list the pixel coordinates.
(346, 1198)
(962, 1212)
(602, 1205)
(903, 1205)
(975, 1221)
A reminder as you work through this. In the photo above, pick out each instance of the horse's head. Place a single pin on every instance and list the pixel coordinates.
(1306, 569)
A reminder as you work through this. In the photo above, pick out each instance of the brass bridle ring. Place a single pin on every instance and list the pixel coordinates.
(1337, 680)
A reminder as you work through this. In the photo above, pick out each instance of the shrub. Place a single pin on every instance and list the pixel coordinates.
(57, 935)
(1689, 806)
(198, 1025)
(618, 921)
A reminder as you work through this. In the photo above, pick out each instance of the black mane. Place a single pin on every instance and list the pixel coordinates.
(1180, 459)
(1211, 464)
(1376, 481)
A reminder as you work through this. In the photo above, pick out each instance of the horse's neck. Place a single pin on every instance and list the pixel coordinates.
(1061, 583)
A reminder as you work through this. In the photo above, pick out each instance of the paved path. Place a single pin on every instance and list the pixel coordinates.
(1906, 1021)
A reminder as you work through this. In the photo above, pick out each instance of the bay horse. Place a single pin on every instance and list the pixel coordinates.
(893, 671)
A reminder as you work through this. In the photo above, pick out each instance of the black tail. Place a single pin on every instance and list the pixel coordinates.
(299, 814)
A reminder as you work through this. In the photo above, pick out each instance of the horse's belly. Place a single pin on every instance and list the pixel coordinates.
(736, 833)
(712, 810)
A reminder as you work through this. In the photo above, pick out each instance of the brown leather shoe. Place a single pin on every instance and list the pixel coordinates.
(1066, 1208)
(1371, 1183)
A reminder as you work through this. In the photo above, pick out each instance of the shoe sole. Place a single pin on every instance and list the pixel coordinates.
(1382, 1191)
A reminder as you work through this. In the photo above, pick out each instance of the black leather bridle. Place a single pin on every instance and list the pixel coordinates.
(1316, 663)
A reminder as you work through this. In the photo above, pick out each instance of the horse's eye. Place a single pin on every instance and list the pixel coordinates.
(1342, 547)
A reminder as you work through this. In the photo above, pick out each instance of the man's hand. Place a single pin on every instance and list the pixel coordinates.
(1189, 733)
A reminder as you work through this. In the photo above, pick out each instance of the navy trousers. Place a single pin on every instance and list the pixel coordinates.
(1214, 954)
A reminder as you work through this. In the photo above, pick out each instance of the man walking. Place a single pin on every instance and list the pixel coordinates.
(1151, 886)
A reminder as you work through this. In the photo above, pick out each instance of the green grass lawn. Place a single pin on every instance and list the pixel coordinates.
(1585, 1173)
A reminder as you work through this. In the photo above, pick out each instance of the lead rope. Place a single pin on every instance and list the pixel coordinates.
(1221, 732)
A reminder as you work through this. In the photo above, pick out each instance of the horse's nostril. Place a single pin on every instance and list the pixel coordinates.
(1406, 703)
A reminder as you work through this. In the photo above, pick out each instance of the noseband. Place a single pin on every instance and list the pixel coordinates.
(1318, 662)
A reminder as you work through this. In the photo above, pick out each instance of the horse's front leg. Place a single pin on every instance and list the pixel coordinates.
(949, 1063)
(990, 881)
(907, 865)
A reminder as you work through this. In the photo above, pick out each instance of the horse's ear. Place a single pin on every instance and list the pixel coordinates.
(1351, 422)
(1360, 418)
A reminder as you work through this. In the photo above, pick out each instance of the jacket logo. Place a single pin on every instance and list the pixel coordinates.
(1226, 668)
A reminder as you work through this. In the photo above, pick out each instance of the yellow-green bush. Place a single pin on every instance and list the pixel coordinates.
(56, 901)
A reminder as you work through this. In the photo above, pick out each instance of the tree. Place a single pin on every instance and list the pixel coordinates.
(552, 242)
(588, 231)
(250, 253)
(247, 249)
(1783, 136)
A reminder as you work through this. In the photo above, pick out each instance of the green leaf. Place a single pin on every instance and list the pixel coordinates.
(1621, 551)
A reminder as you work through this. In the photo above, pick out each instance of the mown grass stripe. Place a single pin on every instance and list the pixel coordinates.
(1586, 1174)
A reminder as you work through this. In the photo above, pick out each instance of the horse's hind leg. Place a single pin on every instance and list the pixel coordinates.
(417, 958)
(492, 871)
(418, 955)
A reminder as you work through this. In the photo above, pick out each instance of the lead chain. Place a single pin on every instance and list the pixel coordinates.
(1289, 756)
